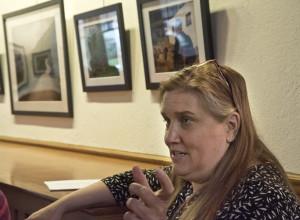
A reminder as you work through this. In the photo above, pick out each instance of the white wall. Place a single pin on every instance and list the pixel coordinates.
(260, 39)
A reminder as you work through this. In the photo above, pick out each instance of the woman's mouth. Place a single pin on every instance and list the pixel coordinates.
(177, 154)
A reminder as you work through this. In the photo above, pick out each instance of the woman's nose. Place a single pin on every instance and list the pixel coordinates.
(172, 135)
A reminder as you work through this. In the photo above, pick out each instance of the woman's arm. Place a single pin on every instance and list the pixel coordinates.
(98, 193)
(95, 194)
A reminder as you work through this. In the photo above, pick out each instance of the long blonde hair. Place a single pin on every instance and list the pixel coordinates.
(221, 90)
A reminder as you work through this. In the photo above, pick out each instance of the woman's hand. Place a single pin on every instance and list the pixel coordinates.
(150, 205)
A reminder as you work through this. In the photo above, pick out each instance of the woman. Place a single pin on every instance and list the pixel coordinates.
(220, 167)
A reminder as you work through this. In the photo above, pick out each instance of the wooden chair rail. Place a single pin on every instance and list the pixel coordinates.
(125, 155)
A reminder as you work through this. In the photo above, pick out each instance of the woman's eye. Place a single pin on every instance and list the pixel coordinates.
(186, 120)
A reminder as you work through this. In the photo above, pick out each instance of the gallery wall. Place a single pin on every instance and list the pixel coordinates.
(260, 39)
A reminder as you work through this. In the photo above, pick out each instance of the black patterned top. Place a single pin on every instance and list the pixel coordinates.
(261, 194)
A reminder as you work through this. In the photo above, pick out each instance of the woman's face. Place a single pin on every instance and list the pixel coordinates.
(195, 139)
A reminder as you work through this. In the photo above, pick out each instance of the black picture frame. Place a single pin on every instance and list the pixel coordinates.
(174, 34)
(31, 33)
(1, 78)
(102, 49)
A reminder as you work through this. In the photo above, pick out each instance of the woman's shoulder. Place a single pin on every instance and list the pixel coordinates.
(262, 192)
(264, 180)
(264, 171)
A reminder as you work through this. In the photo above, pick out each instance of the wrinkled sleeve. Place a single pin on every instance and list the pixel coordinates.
(119, 184)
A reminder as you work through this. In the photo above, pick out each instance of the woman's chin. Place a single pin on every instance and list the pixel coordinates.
(179, 170)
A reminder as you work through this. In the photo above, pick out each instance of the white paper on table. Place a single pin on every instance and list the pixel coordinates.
(69, 184)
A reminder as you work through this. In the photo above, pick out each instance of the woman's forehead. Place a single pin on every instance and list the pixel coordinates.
(180, 100)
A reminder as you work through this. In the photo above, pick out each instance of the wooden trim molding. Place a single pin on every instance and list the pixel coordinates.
(139, 157)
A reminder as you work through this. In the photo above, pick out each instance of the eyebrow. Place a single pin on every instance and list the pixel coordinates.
(179, 113)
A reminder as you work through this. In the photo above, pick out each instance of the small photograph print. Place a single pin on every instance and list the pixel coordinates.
(101, 50)
(174, 43)
(20, 65)
(41, 62)
(37, 75)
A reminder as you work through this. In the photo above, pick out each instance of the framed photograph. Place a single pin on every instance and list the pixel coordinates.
(174, 34)
(21, 65)
(37, 60)
(102, 49)
(1, 79)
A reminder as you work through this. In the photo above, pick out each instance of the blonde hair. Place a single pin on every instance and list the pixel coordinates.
(221, 93)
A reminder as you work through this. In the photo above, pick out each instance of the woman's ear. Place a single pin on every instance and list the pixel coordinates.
(233, 126)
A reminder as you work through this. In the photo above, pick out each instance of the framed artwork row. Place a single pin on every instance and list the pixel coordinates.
(174, 34)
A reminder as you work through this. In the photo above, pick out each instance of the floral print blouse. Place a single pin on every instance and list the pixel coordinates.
(261, 194)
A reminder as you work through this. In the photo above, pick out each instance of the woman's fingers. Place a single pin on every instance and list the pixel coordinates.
(138, 208)
(167, 187)
(166, 184)
(130, 216)
(150, 205)
(139, 176)
(144, 193)
(149, 210)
